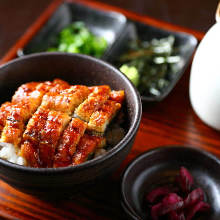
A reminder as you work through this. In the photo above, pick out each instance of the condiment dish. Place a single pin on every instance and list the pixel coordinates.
(159, 167)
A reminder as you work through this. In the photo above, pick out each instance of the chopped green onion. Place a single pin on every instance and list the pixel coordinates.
(76, 38)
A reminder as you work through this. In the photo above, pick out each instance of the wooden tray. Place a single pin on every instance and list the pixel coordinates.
(170, 122)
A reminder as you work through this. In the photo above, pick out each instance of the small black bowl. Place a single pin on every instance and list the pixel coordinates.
(75, 69)
(159, 166)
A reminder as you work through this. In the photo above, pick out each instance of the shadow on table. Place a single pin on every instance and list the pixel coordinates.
(99, 200)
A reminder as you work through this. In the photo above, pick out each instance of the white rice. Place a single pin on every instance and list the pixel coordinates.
(8, 152)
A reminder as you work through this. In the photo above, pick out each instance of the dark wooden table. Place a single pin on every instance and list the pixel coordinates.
(170, 122)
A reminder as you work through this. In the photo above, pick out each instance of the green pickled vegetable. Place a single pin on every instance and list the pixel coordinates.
(131, 72)
(76, 38)
(150, 65)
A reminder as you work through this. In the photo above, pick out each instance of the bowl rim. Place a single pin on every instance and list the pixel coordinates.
(114, 150)
(126, 205)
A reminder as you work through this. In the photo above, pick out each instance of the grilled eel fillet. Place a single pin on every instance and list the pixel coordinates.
(86, 147)
(16, 113)
(14, 125)
(68, 142)
(32, 137)
(117, 96)
(67, 100)
(94, 101)
(4, 111)
(25, 101)
(41, 136)
(49, 139)
(100, 119)
(31, 94)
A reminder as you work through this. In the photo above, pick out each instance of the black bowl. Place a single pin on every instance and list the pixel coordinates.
(159, 166)
(76, 69)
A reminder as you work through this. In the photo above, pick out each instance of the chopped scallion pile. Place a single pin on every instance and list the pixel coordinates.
(76, 38)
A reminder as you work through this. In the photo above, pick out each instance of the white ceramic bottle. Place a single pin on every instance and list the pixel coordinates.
(205, 77)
